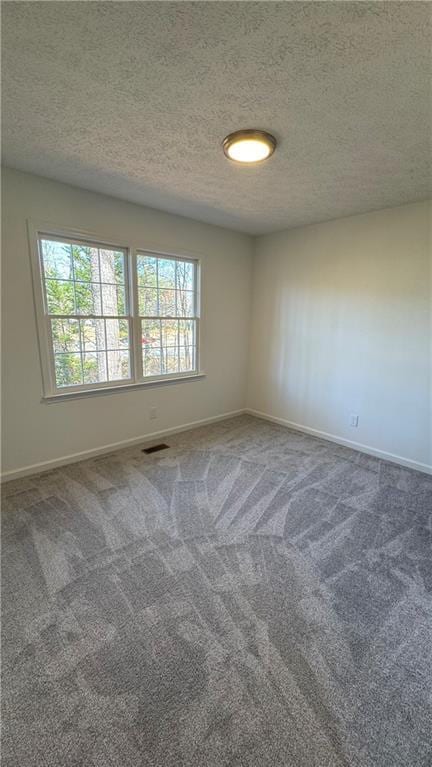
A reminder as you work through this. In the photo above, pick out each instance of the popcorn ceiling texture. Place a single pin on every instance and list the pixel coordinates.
(133, 99)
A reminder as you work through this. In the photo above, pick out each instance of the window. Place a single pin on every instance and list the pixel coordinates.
(109, 316)
(166, 303)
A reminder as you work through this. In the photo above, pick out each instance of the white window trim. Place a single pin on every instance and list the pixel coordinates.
(51, 393)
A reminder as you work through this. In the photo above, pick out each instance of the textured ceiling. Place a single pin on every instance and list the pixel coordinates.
(133, 99)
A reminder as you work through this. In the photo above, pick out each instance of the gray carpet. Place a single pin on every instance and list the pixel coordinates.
(251, 597)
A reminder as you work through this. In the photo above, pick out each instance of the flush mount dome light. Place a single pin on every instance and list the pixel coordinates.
(249, 146)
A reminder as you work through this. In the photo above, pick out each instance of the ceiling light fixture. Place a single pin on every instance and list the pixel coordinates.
(249, 146)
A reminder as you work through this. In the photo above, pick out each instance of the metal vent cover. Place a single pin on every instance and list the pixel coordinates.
(155, 448)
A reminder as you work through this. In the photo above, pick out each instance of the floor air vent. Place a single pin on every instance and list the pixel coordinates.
(155, 448)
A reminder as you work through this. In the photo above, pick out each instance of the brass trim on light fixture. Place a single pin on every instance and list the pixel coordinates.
(249, 133)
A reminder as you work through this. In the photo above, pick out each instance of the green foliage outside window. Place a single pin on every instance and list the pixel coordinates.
(82, 280)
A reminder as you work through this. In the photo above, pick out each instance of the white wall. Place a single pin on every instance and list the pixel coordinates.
(342, 323)
(34, 432)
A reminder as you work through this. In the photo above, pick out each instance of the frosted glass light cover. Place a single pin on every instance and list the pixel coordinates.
(249, 146)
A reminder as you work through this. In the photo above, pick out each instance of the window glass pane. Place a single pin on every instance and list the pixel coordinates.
(147, 270)
(147, 298)
(92, 335)
(187, 358)
(185, 275)
(167, 273)
(60, 297)
(185, 303)
(150, 333)
(187, 332)
(68, 369)
(117, 333)
(167, 302)
(112, 266)
(94, 367)
(118, 364)
(112, 334)
(113, 299)
(85, 263)
(57, 260)
(125, 364)
(151, 361)
(170, 360)
(72, 276)
(88, 298)
(65, 335)
(169, 330)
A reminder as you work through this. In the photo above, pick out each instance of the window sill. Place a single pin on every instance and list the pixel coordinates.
(105, 390)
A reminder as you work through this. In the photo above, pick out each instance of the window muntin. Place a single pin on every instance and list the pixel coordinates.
(94, 338)
(167, 305)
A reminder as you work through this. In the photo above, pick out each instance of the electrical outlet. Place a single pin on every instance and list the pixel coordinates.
(354, 420)
(153, 413)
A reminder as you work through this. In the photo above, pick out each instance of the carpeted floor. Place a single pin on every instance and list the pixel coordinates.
(251, 597)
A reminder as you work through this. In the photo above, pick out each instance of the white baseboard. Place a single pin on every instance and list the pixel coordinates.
(37, 468)
(410, 464)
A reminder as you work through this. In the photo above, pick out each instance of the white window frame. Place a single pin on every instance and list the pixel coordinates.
(51, 392)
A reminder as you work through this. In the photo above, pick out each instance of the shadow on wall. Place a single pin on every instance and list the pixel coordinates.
(330, 347)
